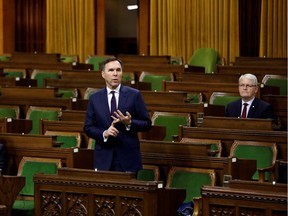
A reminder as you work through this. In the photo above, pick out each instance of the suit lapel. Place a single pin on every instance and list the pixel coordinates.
(122, 98)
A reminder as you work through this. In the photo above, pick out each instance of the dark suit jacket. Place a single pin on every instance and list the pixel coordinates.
(258, 109)
(126, 144)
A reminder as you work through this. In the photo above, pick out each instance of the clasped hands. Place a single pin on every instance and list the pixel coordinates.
(118, 117)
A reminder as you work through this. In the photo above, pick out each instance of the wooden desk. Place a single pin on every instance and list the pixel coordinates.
(103, 193)
(9, 125)
(18, 145)
(10, 186)
(237, 123)
(26, 92)
(227, 137)
(259, 71)
(254, 61)
(245, 198)
(164, 155)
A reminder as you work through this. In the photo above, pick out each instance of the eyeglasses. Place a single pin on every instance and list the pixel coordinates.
(246, 86)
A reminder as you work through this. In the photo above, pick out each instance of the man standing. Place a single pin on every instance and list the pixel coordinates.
(115, 115)
(249, 106)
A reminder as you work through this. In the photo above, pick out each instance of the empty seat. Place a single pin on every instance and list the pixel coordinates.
(223, 98)
(41, 75)
(36, 113)
(265, 153)
(149, 173)
(204, 57)
(277, 81)
(66, 138)
(191, 179)
(9, 111)
(15, 72)
(171, 121)
(156, 79)
(96, 60)
(28, 167)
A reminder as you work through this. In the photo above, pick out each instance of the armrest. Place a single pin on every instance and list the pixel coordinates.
(197, 206)
(262, 172)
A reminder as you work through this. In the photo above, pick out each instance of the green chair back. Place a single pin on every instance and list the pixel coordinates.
(41, 75)
(156, 81)
(5, 57)
(69, 58)
(191, 179)
(194, 98)
(29, 169)
(96, 61)
(171, 122)
(32, 167)
(223, 98)
(14, 74)
(8, 112)
(68, 93)
(148, 173)
(265, 153)
(145, 175)
(68, 141)
(205, 57)
(277, 81)
(36, 116)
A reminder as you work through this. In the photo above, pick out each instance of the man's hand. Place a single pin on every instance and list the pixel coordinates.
(126, 120)
(111, 131)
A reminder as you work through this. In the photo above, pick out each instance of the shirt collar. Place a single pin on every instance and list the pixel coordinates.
(117, 90)
(248, 102)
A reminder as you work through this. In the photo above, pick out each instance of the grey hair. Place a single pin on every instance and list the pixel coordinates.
(250, 77)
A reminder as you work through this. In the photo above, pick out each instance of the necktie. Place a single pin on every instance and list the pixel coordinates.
(244, 112)
(113, 103)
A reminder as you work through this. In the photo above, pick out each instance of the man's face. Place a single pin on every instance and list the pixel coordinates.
(247, 89)
(112, 74)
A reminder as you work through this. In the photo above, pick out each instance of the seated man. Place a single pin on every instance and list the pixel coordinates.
(249, 106)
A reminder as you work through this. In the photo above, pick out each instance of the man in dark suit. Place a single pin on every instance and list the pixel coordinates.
(255, 108)
(117, 145)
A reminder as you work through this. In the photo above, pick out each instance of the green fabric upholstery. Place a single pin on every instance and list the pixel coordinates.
(146, 175)
(69, 58)
(68, 93)
(191, 181)
(32, 167)
(5, 58)
(26, 207)
(194, 98)
(44, 75)
(91, 143)
(95, 61)
(263, 155)
(156, 81)
(171, 123)
(6, 112)
(37, 115)
(68, 141)
(14, 74)
(278, 82)
(224, 100)
(205, 57)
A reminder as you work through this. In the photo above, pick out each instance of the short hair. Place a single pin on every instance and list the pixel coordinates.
(106, 61)
(249, 76)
